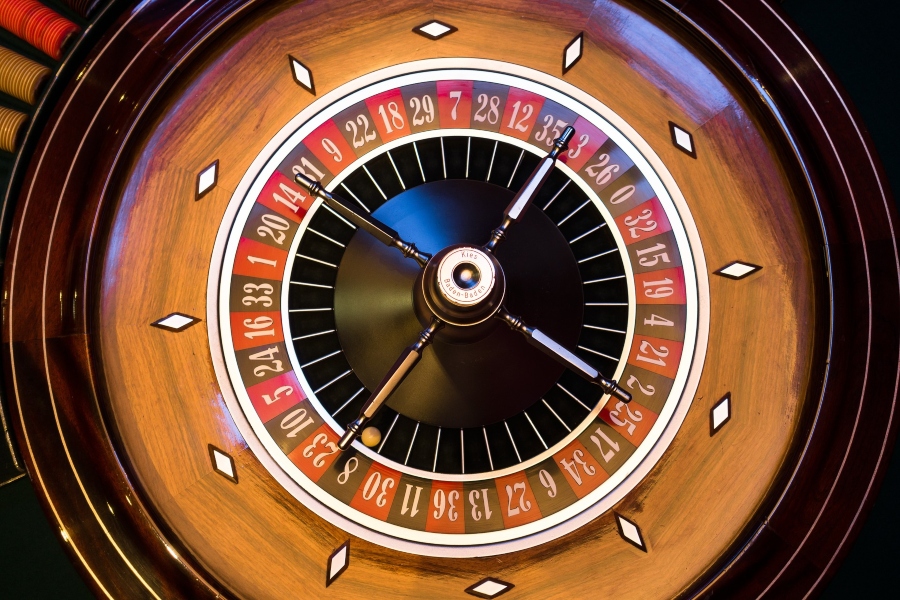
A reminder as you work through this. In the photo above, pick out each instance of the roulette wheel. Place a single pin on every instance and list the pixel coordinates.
(421, 299)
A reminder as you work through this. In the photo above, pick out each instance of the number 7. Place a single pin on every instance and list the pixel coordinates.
(456, 94)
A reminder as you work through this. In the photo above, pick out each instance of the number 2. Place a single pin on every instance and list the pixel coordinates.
(648, 391)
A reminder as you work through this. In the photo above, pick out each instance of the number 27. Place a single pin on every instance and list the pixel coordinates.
(524, 505)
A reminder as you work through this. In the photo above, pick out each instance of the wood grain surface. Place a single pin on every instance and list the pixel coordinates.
(165, 398)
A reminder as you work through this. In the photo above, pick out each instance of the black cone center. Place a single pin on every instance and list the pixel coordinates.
(469, 384)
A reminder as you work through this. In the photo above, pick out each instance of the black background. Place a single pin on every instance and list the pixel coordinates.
(859, 40)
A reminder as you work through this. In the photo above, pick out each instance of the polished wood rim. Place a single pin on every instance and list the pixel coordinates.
(806, 532)
(49, 339)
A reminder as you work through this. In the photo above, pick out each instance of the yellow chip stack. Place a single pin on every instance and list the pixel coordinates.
(11, 122)
(21, 77)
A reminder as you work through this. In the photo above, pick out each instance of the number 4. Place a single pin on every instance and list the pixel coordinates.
(656, 320)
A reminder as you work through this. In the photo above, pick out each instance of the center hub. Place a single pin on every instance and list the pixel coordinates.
(466, 276)
(463, 286)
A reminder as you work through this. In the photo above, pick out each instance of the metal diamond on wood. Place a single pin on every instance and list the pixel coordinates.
(175, 322)
(223, 463)
(489, 588)
(434, 30)
(683, 140)
(737, 270)
(720, 414)
(207, 179)
(337, 563)
(302, 75)
(573, 52)
(630, 532)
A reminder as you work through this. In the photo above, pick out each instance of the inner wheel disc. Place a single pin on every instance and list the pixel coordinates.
(458, 384)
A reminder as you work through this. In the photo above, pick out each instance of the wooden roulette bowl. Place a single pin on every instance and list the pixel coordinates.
(716, 237)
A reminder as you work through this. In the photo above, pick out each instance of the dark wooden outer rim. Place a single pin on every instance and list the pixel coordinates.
(54, 84)
(69, 191)
(812, 520)
(56, 389)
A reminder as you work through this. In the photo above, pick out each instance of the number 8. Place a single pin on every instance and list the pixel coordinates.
(349, 468)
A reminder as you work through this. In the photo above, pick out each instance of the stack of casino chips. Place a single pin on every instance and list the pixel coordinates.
(40, 26)
(23, 78)
(11, 123)
(20, 78)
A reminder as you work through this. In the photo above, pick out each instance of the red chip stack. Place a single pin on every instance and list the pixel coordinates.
(38, 25)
